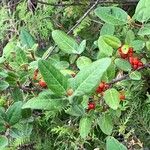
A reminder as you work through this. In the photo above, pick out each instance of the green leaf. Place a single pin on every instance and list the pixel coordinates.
(109, 74)
(112, 15)
(111, 97)
(3, 141)
(17, 94)
(27, 39)
(3, 85)
(45, 103)
(83, 62)
(85, 126)
(21, 57)
(112, 41)
(105, 123)
(14, 113)
(123, 64)
(88, 78)
(82, 47)
(113, 144)
(3, 73)
(8, 49)
(75, 110)
(145, 30)
(65, 42)
(135, 75)
(142, 11)
(129, 37)
(138, 45)
(53, 77)
(107, 29)
(105, 49)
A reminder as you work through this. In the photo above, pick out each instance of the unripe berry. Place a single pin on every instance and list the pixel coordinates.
(42, 83)
(69, 92)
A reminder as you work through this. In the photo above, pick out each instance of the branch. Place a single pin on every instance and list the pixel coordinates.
(127, 75)
(128, 3)
(84, 16)
(77, 24)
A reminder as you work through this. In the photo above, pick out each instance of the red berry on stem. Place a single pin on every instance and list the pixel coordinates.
(91, 105)
(140, 64)
(42, 83)
(122, 97)
(135, 67)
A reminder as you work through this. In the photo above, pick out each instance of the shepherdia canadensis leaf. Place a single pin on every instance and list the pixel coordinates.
(88, 78)
(66, 43)
(113, 41)
(55, 80)
(107, 29)
(112, 15)
(3, 142)
(3, 85)
(111, 97)
(26, 39)
(82, 47)
(113, 144)
(105, 123)
(135, 75)
(83, 62)
(85, 126)
(14, 113)
(45, 103)
(142, 11)
(123, 64)
(105, 49)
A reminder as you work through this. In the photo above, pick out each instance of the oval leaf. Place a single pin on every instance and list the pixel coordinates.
(111, 97)
(112, 15)
(113, 144)
(14, 113)
(55, 80)
(88, 78)
(65, 42)
(85, 126)
(135, 75)
(27, 39)
(106, 124)
(83, 61)
(112, 41)
(3, 141)
(3, 85)
(123, 64)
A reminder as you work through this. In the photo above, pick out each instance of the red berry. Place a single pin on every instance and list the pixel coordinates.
(123, 55)
(91, 105)
(140, 64)
(99, 90)
(106, 86)
(131, 50)
(42, 83)
(102, 85)
(135, 61)
(122, 97)
(135, 67)
(131, 60)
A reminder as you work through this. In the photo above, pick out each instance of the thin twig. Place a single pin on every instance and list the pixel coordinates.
(83, 17)
(147, 65)
(60, 5)
(127, 3)
(76, 25)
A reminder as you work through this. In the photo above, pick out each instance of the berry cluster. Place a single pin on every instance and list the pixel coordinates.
(135, 62)
(126, 52)
(102, 87)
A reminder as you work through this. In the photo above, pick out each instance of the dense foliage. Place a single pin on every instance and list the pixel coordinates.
(74, 77)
